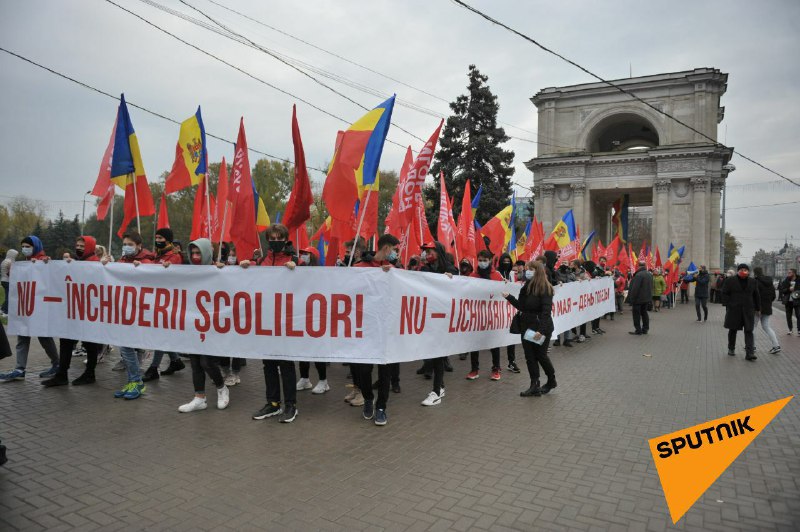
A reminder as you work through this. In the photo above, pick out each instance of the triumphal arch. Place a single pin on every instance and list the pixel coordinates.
(597, 143)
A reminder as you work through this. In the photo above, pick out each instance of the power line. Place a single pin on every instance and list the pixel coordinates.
(146, 110)
(610, 84)
(764, 205)
(373, 71)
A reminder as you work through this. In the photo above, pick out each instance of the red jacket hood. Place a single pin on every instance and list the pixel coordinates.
(89, 249)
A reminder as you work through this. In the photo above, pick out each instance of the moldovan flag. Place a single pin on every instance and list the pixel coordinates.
(163, 217)
(690, 460)
(244, 201)
(498, 230)
(298, 208)
(564, 232)
(191, 156)
(465, 238)
(619, 218)
(476, 201)
(354, 169)
(127, 170)
(104, 187)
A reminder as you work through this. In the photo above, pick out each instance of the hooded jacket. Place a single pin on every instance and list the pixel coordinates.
(488, 273)
(766, 291)
(442, 265)
(702, 280)
(5, 266)
(659, 285)
(144, 256)
(169, 254)
(281, 258)
(38, 248)
(550, 258)
(206, 250)
(89, 249)
(505, 273)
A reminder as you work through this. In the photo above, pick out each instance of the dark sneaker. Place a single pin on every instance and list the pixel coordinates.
(174, 366)
(513, 368)
(151, 374)
(289, 414)
(750, 356)
(57, 380)
(447, 366)
(635, 333)
(549, 385)
(86, 378)
(368, 410)
(775, 350)
(396, 387)
(46, 374)
(732, 352)
(380, 417)
(269, 410)
(557, 343)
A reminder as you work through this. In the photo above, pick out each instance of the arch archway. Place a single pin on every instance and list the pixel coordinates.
(621, 129)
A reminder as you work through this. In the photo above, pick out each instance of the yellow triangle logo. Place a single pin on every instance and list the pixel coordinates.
(690, 460)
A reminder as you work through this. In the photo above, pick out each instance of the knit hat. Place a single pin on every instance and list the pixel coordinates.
(743, 266)
(166, 232)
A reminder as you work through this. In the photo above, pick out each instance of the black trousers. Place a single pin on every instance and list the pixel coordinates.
(438, 373)
(322, 370)
(202, 364)
(65, 347)
(596, 324)
(394, 373)
(641, 320)
(535, 356)
(362, 377)
(793, 308)
(749, 341)
(684, 296)
(277, 372)
(231, 362)
(474, 358)
(511, 353)
(701, 302)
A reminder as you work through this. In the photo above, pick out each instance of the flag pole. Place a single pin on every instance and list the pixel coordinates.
(222, 231)
(358, 229)
(136, 199)
(208, 208)
(111, 223)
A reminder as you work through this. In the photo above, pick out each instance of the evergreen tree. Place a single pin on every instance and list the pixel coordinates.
(470, 148)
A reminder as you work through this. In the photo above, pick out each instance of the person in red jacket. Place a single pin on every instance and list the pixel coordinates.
(85, 247)
(309, 256)
(485, 271)
(388, 250)
(277, 372)
(132, 253)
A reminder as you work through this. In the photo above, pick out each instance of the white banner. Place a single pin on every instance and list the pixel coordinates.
(312, 313)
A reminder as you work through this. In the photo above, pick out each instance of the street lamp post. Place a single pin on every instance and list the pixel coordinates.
(83, 212)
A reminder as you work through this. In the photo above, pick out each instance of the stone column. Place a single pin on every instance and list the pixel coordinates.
(715, 225)
(548, 192)
(660, 236)
(699, 221)
(578, 210)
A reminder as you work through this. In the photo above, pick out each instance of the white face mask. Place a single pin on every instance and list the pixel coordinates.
(27, 251)
(128, 250)
(305, 259)
(483, 264)
(231, 259)
(529, 274)
(423, 255)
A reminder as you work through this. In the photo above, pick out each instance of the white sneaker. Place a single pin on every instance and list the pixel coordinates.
(321, 387)
(358, 399)
(304, 384)
(432, 399)
(198, 403)
(236, 376)
(223, 398)
(230, 380)
(119, 366)
(789, 333)
(441, 394)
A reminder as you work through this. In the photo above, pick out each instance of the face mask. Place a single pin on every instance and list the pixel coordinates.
(305, 259)
(464, 270)
(196, 260)
(423, 255)
(506, 265)
(483, 264)
(27, 251)
(529, 274)
(231, 259)
(129, 250)
(78, 252)
(277, 245)
(743, 274)
(161, 245)
(392, 256)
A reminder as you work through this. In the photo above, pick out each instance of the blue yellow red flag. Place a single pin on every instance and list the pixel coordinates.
(475, 201)
(498, 230)
(191, 155)
(126, 160)
(585, 244)
(619, 218)
(564, 231)
(511, 242)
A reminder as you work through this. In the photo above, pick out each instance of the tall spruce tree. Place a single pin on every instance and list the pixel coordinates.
(470, 148)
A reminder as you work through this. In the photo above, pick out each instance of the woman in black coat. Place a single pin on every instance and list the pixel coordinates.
(535, 302)
(741, 300)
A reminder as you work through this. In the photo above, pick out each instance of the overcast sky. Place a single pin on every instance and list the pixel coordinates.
(53, 132)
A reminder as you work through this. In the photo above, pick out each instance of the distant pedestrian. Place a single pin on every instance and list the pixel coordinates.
(766, 291)
(5, 275)
(741, 300)
(789, 289)
(640, 294)
(659, 287)
(702, 281)
(684, 289)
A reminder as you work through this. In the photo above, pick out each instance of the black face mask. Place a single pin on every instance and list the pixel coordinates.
(79, 253)
(162, 244)
(277, 245)
(465, 271)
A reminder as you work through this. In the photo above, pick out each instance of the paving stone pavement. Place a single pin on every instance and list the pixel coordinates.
(577, 459)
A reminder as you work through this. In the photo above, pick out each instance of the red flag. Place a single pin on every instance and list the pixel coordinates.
(465, 236)
(446, 232)
(624, 261)
(200, 212)
(221, 216)
(611, 251)
(103, 187)
(658, 258)
(243, 214)
(300, 200)
(340, 192)
(163, 217)
(136, 193)
(393, 218)
(411, 193)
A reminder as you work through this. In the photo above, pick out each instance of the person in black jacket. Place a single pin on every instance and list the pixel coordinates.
(640, 294)
(741, 300)
(535, 302)
(789, 288)
(701, 280)
(766, 291)
(435, 261)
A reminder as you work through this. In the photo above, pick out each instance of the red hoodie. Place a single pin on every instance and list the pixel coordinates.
(170, 255)
(279, 259)
(144, 256)
(494, 275)
(89, 249)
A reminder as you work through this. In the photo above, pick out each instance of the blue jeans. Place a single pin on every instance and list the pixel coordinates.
(158, 356)
(24, 344)
(131, 360)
